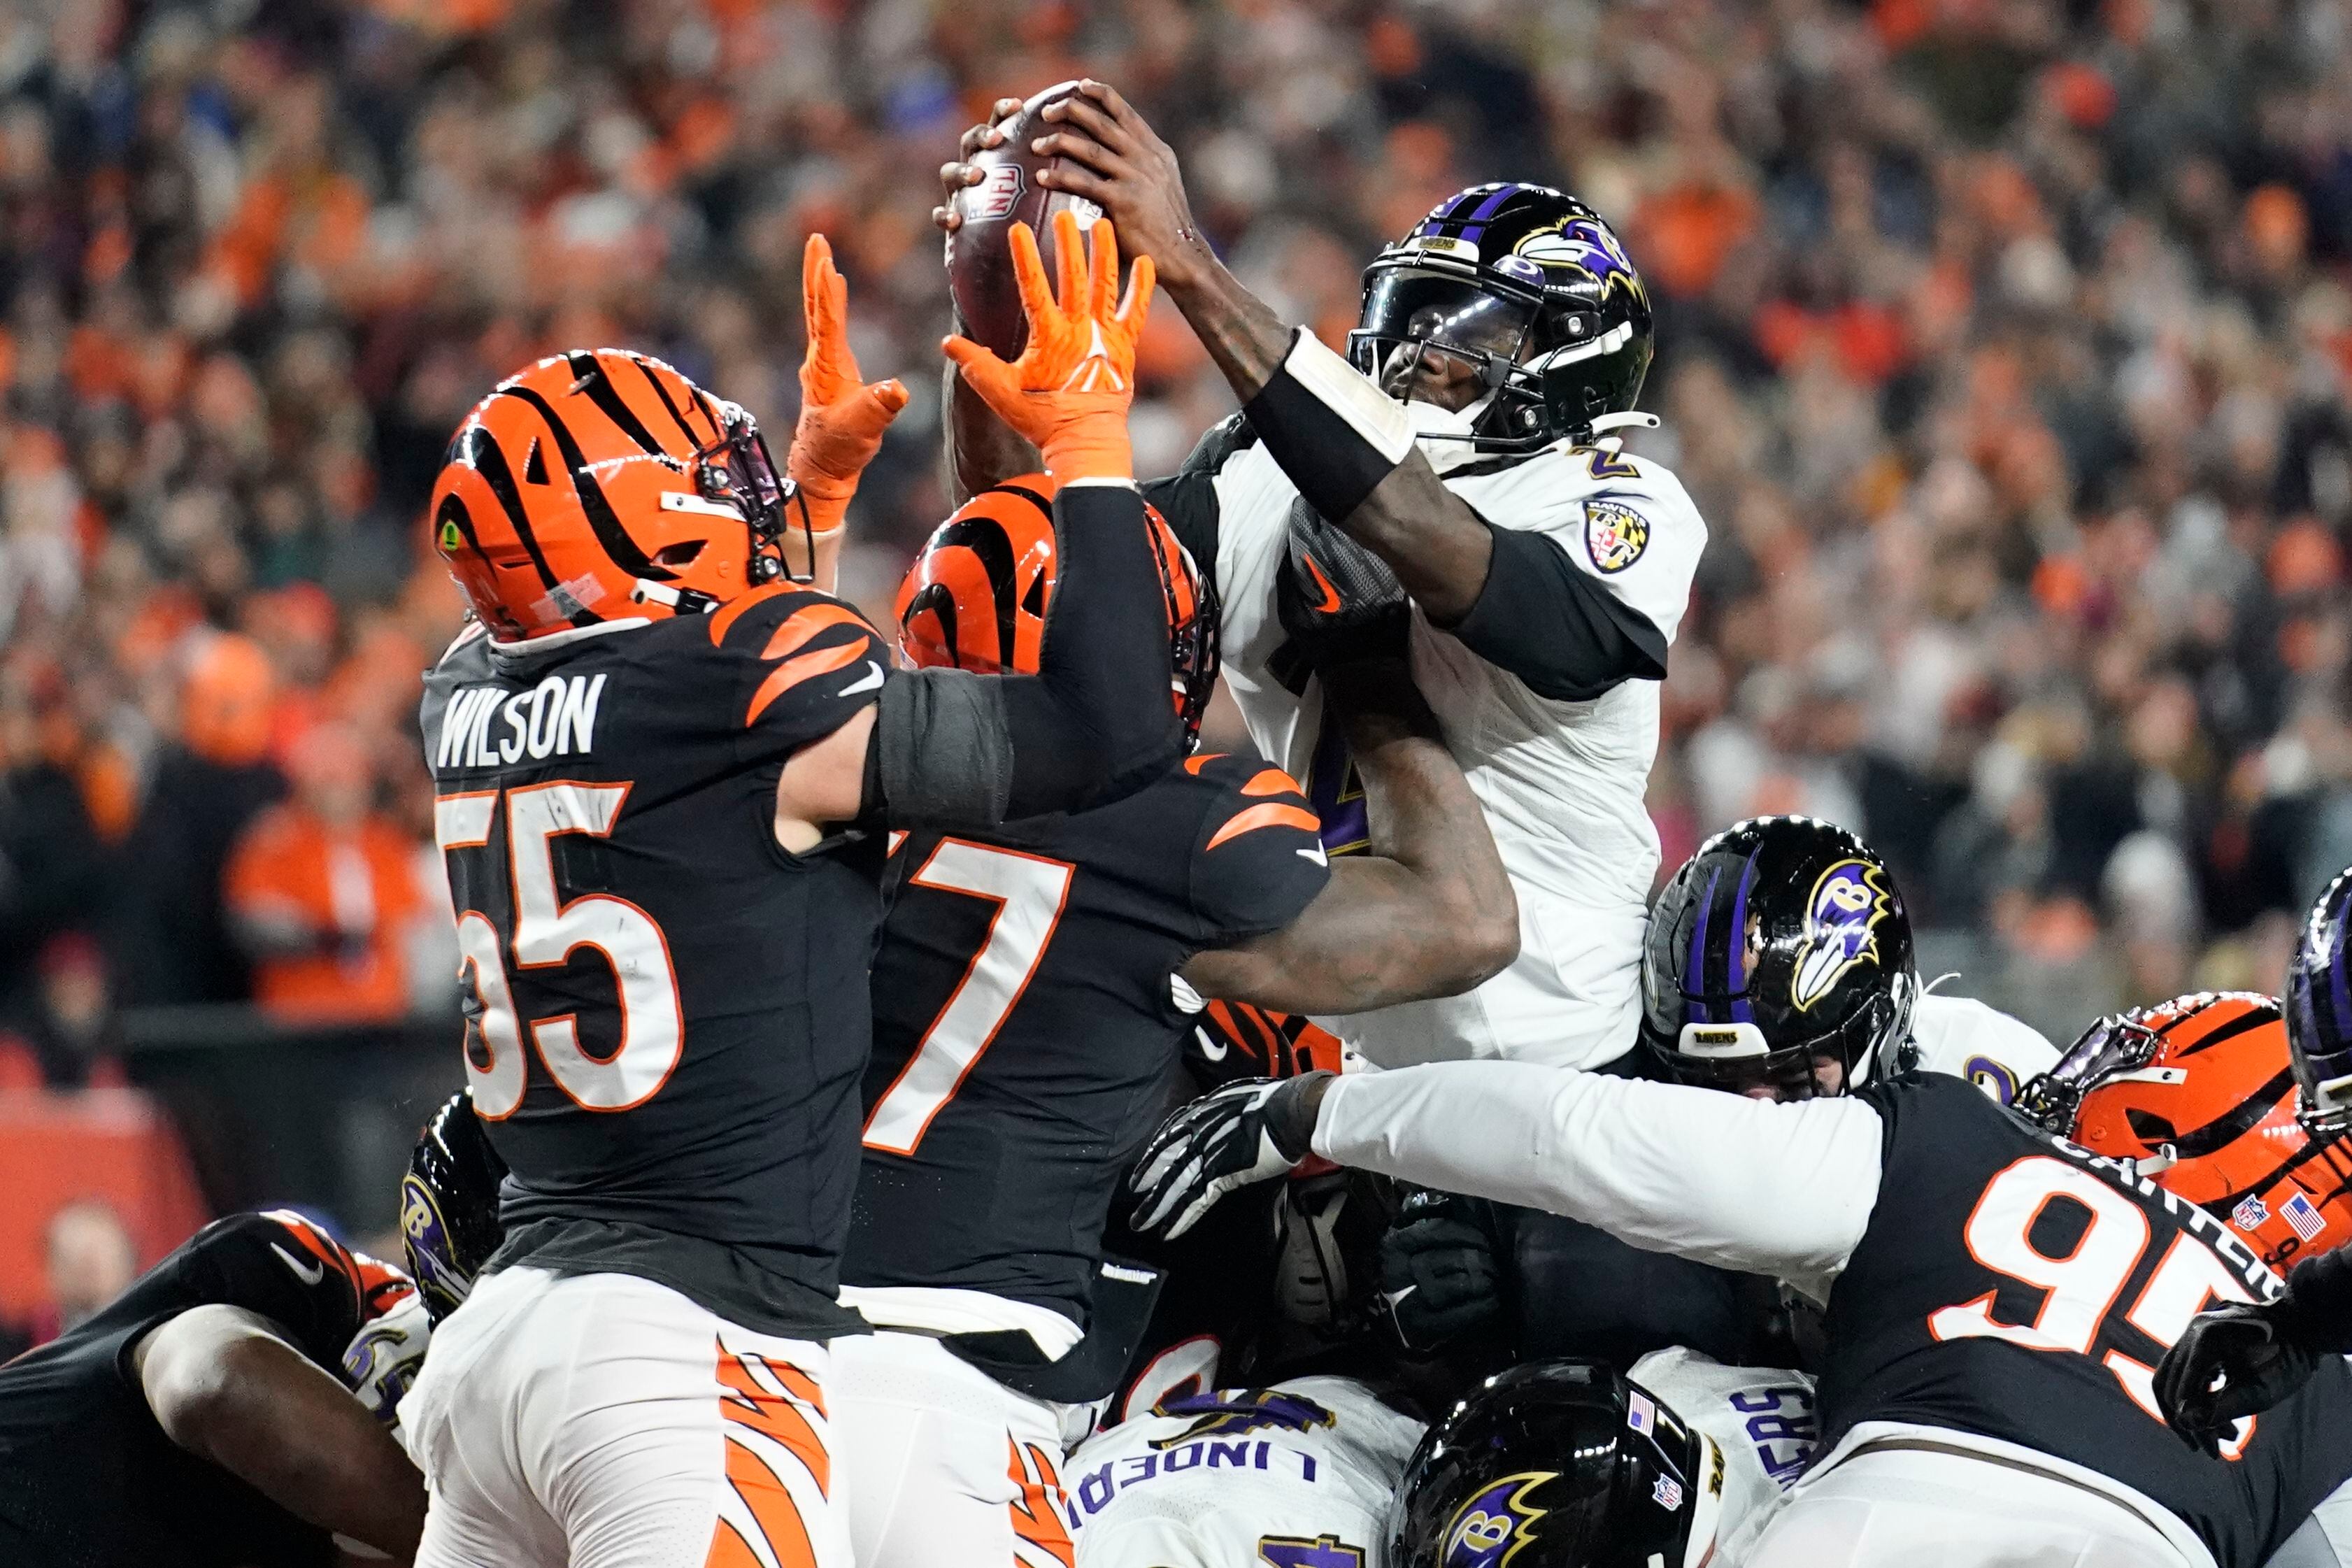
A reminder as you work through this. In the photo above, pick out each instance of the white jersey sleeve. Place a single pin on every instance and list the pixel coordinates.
(1623, 521)
(1961, 1036)
(1247, 1477)
(1746, 1185)
(1765, 1421)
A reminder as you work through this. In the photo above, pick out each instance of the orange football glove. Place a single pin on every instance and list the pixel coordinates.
(842, 417)
(1069, 391)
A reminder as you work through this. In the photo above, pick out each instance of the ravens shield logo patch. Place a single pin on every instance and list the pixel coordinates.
(1614, 535)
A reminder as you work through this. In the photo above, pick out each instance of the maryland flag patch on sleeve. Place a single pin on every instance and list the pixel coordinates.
(1615, 535)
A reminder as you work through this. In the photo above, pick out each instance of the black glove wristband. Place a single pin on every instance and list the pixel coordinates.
(1291, 1112)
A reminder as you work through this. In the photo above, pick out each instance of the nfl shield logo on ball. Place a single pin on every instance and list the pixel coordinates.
(994, 196)
(1614, 535)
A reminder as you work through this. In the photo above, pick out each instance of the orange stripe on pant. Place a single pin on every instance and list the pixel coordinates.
(1037, 1519)
(747, 1403)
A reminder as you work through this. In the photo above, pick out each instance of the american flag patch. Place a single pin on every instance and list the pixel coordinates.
(2303, 1216)
(1641, 1415)
(2250, 1214)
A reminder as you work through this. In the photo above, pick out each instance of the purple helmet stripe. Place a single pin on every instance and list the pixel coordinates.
(1486, 210)
(1741, 1011)
(2339, 983)
(1694, 973)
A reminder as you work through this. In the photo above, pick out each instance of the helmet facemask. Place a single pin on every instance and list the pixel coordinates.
(738, 470)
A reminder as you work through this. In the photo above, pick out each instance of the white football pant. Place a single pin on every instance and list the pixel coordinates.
(604, 1421)
(943, 1466)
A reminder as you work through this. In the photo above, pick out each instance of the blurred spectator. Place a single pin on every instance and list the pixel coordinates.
(321, 891)
(205, 787)
(91, 1260)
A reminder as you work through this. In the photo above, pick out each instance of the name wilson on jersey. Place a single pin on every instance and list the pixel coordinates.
(485, 726)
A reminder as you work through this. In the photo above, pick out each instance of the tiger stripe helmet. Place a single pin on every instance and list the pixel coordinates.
(2199, 1093)
(977, 594)
(601, 485)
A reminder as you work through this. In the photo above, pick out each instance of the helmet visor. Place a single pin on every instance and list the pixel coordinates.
(1413, 305)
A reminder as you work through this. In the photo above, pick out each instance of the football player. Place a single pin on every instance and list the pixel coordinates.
(2199, 1093)
(2242, 1360)
(207, 1416)
(1566, 1464)
(1033, 994)
(1779, 962)
(662, 763)
(1466, 447)
(1997, 1299)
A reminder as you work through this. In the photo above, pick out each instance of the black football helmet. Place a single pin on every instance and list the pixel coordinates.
(2319, 1013)
(1783, 939)
(449, 1205)
(1559, 1464)
(1531, 285)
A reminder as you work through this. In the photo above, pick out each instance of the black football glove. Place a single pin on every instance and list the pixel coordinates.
(2229, 1363)
(1248, 1132)
(1339, 602)
(1438, 1275)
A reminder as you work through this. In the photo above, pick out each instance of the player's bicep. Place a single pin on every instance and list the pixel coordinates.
(823, 783)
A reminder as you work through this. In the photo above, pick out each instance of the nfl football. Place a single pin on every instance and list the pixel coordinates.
(980, 252)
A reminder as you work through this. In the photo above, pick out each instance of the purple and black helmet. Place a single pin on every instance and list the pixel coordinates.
(1783, 939)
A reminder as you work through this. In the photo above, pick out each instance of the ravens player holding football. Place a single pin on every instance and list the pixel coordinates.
(207, 1416)
(662, 766)
(1996, 1299)
(1465, 447)
(1033, 991)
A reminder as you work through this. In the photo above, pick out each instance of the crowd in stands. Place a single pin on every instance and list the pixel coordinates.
(2004, 345)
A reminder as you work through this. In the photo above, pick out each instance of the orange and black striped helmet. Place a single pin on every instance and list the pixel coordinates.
(976, 597)
(2199, 1091)
(601, 486)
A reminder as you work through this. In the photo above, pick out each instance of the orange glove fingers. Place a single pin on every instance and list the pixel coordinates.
(1102, 298)
(1071, 266)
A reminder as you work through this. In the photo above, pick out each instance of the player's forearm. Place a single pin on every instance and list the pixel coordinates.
(1241, 331)
(982, 449)
(251, 1404)
(1740, 1183)
(1349, 449)
(1095, 720)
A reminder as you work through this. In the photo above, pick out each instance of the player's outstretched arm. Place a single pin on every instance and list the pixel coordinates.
(842, 419)
(1425, 912)
(947, 748)
(1347, 448)
(225, 1386)
(2241, 1359)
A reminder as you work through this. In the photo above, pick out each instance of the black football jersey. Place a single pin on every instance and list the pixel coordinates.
(88, 1479)
(2014, 1286)
(666, 1013)
(1024, 1027)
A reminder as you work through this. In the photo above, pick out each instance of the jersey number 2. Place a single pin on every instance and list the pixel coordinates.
(1028, 892)
(2081, 1287)
(547, 929)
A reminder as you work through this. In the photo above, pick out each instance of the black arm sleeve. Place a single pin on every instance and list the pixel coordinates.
(1556, 627)
(1093, 724)
(2316, 1310)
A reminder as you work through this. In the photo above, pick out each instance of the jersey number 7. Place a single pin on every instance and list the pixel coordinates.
(2081, 1287)
(548, 929)
(1028, 892)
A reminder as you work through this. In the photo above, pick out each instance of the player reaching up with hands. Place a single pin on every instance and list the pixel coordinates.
(662, 763)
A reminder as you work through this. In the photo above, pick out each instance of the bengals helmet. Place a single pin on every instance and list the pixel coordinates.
(976, 597)
(602, 486)
(2199, 1093)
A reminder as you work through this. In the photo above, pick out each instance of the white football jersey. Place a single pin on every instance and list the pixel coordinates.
(1961, 1036)
(1297, 1476)
(1562, 783)
(1764, 1420)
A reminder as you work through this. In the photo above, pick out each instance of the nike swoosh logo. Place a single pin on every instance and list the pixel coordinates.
(1330, 596)
(309, 1274)
(1315, 854)
(870, 681)
(1214, 1050)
